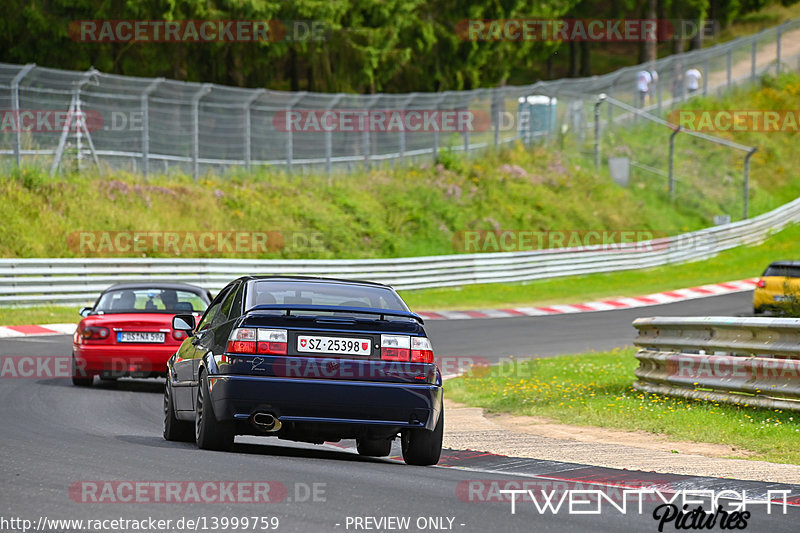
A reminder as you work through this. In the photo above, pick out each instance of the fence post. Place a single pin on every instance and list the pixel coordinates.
(707, 72)
(289, 133)
(15, 110)
(778, 50)
(204, 90)
(248, 134)
(600, 99)
(436, 131)
(146, 123)
(403, 107)
(746, 191)
(328, 138)
(753, 59)
(729, 66)
(672, 162)
(366, 142)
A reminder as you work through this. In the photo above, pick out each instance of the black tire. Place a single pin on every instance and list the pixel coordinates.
(422, 447)
(174, 429)
(210, 434)
(79, 377)
(374, 447)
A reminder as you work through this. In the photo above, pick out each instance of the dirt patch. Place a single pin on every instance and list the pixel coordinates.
(545, 427)
(469, 428)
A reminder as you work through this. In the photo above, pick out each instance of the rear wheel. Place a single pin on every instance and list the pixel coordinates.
(374, 447)
(422, 447)
(174, 429)
(210, 434)
(79, 376)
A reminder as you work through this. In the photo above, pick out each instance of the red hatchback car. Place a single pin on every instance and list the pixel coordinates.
(128, 331)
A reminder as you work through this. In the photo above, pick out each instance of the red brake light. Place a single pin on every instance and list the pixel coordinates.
(242, 340)
(93, 333)
(395, 347)
(257, 341)
(761, 284)
(421, 350)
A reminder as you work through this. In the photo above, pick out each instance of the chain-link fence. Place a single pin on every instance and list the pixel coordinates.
(58, 118)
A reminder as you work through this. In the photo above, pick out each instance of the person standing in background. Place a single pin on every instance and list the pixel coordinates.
(693, 77)
(643, 81)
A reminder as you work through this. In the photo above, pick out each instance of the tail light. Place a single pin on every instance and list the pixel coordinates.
(395, 347)
(272, 341)
(242, 340)
(93, 333)
(421, 350)
(761, 284)
(257, 341)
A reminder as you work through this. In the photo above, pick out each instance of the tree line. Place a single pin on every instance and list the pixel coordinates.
(361, 46)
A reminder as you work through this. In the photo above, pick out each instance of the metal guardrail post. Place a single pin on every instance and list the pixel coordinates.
(146, 123)
(746, 192)
(707, 74)
(15, 111)
(204, 90)
(248, 133)
(675, 132)
(754, 53)
(600, 99)
(778, 50)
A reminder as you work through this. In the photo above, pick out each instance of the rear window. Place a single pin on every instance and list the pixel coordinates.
(786, 271)
(315, 293)
(150, 301)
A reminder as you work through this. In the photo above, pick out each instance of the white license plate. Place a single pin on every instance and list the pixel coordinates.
(336, 345)
(139, 336)
(782, 298)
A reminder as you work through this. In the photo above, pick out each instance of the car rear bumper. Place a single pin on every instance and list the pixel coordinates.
(119, 360)
(404, 405)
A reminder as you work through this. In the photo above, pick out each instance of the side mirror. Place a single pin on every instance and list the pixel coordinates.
(85, 311)
(183, 323)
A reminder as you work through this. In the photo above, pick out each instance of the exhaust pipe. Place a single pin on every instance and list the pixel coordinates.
(266, 422)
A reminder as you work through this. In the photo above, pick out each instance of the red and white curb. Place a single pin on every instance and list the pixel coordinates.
(48, 329)
(659, 298)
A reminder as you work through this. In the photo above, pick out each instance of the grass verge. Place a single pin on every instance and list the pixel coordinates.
(595, 390)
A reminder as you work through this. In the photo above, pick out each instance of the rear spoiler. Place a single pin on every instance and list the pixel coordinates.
(336, 309)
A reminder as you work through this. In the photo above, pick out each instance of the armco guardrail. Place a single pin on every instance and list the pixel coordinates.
(745, 361)
(75, 281)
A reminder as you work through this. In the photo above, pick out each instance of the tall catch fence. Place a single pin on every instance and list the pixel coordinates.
(158, 125)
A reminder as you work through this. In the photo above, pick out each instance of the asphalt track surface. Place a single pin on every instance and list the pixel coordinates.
(55, 436)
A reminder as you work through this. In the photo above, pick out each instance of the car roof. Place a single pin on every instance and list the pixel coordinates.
(785, 264)
(315, 279)
(156, 285)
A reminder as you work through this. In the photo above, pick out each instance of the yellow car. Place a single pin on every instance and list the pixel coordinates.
(778, 290)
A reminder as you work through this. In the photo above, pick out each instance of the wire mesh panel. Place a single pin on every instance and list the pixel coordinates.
(63, 119)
